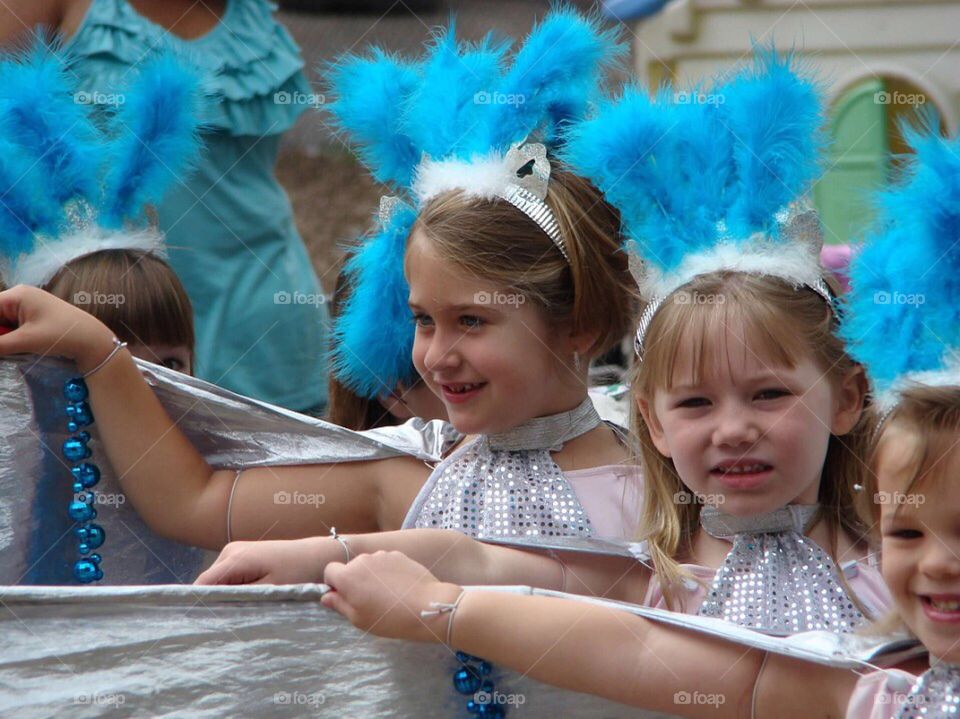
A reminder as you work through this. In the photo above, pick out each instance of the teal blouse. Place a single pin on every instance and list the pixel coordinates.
(261, 320)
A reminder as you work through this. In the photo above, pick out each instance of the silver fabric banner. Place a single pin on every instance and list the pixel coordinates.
(255, 651)
(214, 652)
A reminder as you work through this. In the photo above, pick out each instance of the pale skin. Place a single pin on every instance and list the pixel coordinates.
(180, 496)
(638, 662)
(743, 409)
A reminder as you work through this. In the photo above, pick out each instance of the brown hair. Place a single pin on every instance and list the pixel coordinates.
(494, 240)
(781, 323)
(133, 292)
(345, 407)
(930, 418)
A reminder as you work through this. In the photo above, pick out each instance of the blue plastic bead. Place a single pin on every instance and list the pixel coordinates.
(473, 707)
(77, 487)
(86, 571)
(75, 448)
(80, 413)
(82, 533)
(463, 657)
(72, 426)
(95, 558)
(81, 511)
(484, 668)
(486, 686)
(466, 681)
(95, 535)
(75, 390)
(87, 474)
(84, 548)
(84, 436)
(491, 710)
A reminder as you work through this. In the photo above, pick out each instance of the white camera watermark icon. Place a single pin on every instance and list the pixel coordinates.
(85, 299)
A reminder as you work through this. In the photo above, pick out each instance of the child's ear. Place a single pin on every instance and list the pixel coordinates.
(848, 405)
(653, 427)
(584, 341)
(394, 405)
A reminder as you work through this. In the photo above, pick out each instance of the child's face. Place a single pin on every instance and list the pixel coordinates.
(921, 544)
(749, 437)
(486, 352)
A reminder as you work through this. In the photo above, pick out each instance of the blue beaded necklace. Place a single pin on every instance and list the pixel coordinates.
(85, 476)
(469, 680)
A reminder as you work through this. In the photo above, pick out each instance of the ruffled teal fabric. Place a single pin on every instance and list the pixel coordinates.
(229, 226)
(247, 66)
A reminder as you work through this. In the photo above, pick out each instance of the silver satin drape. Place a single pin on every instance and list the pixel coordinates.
(265, 651)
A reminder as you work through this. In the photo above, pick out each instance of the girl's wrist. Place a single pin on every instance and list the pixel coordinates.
(440, 613)
(96, 348)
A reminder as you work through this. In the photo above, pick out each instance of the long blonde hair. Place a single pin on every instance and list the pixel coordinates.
(781, 324)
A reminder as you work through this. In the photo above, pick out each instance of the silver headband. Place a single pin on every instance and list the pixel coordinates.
(820, 287)
(538, 211)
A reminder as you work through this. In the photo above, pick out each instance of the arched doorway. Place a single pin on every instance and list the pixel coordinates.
(865, 139)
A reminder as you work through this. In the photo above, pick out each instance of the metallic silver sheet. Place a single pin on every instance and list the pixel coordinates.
(254, 651)
(213, 652)
(36, 544)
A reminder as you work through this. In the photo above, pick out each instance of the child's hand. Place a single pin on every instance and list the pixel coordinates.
(384, 593)
(46, 325)
(284, 561)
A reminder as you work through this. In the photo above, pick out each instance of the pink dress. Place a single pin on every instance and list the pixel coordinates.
(612, 497)
(879, 695)
(863, 576)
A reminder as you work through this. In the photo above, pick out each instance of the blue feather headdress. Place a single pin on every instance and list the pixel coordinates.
(68, 189)
(711, 179)
(903, 317)
(458, 118)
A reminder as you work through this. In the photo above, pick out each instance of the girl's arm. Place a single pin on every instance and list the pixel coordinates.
(585, 647)
(168, 482)
(449, 555)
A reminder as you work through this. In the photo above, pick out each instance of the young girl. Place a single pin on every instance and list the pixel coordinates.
(506, 286)
(750, 412)
(82, 242)
(136, 294)
(916, 502)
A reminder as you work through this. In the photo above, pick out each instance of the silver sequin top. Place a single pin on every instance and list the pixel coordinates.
(508, 485)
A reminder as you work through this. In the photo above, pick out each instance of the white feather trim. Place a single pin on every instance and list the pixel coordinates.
(948, 376)
(51, 254)
(797, 263)
(484, 176)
